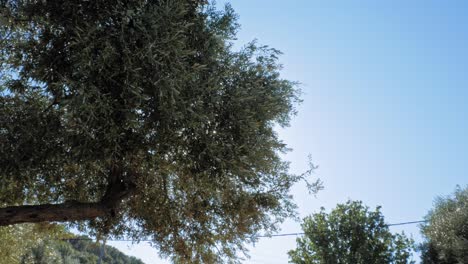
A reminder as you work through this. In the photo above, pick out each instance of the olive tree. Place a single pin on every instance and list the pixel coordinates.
(446, 230)
(139, 118)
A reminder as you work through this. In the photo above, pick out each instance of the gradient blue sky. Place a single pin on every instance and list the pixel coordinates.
(385, 103)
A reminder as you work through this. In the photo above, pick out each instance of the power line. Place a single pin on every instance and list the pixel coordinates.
(408, 223)
(302, 233)
(260, 236)
(282, 235)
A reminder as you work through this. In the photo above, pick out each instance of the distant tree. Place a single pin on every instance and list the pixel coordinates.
(350, 234)
(446, 230)
(139, 119)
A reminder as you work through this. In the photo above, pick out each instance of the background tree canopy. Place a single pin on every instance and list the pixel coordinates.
(446, 230)
(350, 233)
(138, 118)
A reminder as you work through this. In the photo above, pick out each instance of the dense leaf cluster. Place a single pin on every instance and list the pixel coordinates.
(152, 90)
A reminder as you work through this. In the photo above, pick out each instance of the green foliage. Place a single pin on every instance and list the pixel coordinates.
(351, 233)
(154, 89)
(446, 231)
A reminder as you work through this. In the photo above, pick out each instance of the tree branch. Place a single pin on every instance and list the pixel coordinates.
(117, 190)
(68, 211)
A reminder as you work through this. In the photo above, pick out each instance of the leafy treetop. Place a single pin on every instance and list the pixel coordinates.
(141, 119)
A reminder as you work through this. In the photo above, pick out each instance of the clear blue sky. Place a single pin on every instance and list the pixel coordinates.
(385, 103)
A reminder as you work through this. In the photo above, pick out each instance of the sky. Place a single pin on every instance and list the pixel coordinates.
(385, 93)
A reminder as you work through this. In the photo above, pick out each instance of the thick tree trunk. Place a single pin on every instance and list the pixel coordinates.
(117, 190)
(69, 211)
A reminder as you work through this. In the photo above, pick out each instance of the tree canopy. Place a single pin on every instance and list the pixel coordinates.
(350, 233)
(446, 230)
(139, 119)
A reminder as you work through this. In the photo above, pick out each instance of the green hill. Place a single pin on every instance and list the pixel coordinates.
(75, 251)
(53, 244)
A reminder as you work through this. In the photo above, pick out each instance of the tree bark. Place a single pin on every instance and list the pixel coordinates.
(68, 211)
(117, 190)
